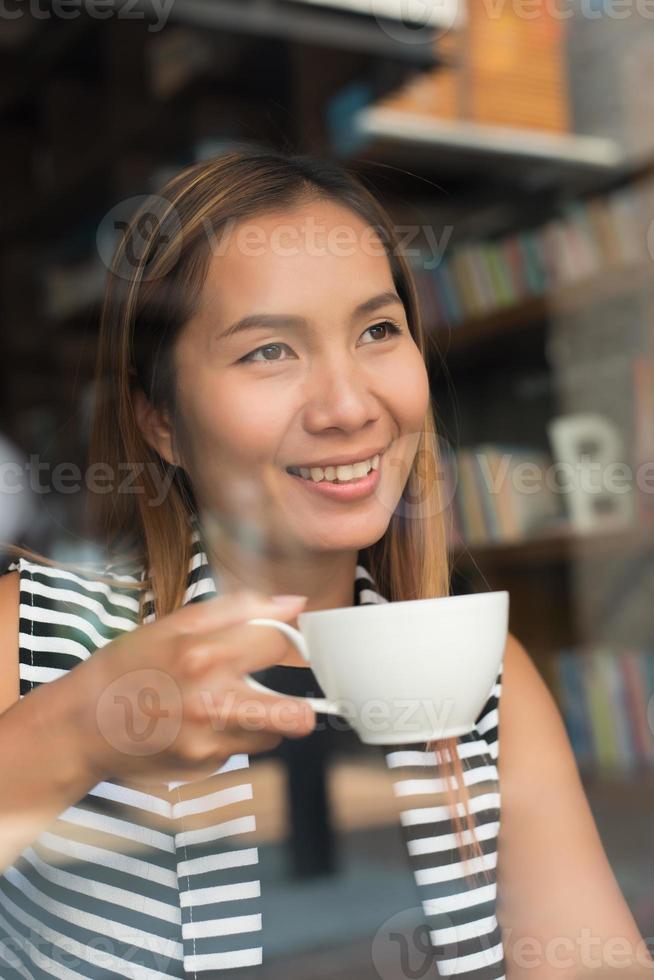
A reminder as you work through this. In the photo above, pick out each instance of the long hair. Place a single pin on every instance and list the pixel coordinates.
(153, 287)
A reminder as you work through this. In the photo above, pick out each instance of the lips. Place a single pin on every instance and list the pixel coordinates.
(345, 492)
(342, 473)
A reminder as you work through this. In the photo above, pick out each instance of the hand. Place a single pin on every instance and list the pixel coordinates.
(167, 701)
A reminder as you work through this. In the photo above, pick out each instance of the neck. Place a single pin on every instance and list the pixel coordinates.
(327, 578)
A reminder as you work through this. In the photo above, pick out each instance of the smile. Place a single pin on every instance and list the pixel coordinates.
(336, 474)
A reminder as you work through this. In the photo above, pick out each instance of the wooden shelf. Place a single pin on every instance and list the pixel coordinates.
(528, 159)
(308, 24)
(559, 546)
(454, 340)
(449, 15)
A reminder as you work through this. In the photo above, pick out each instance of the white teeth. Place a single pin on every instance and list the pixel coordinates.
(352, 471)
(345, 472)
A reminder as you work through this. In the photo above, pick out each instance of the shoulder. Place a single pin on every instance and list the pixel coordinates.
(71, 589)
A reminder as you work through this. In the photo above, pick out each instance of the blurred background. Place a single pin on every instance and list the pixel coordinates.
(516, 141)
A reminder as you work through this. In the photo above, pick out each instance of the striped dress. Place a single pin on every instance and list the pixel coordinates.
(166, 883)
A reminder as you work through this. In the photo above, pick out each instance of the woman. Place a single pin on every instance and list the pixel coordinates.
(260, 328)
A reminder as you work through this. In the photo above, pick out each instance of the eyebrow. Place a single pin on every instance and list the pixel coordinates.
(255, 320)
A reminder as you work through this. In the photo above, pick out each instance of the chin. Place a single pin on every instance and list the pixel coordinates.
(347, 539)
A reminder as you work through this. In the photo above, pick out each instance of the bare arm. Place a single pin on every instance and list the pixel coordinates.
(560, 908)
(68, 734)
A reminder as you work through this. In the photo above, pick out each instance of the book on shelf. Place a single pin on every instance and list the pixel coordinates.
(502, 69)
(604, 695)
(501, 494)
(587, 240)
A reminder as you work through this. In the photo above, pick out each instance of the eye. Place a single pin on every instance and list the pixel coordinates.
(389, 325)
(267, 347)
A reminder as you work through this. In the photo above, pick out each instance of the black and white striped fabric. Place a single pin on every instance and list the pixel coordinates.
(165, 883)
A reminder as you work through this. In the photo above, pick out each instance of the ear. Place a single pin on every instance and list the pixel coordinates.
(155, 427)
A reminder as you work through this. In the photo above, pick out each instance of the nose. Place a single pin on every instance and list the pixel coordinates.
(340, 395)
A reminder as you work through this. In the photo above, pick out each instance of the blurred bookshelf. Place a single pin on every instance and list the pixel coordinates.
(559, 545)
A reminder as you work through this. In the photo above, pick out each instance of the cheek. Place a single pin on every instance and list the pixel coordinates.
(237, 423)
(409, 394)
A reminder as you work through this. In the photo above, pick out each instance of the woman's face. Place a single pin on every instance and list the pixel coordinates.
(326, 382)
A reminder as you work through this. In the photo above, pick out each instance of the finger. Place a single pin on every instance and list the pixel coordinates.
(226, 610)
(243, 647)
(251, 743)
(239, 709)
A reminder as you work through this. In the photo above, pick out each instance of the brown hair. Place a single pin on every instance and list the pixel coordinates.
(154, 282)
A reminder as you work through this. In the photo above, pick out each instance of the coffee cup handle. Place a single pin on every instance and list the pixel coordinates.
(296, 638)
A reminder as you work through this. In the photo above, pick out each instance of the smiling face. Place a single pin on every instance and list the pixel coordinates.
(335, 377)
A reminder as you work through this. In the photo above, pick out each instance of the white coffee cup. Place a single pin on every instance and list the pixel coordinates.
(408, 671)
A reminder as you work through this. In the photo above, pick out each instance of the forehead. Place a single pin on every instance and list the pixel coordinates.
(319, 250)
